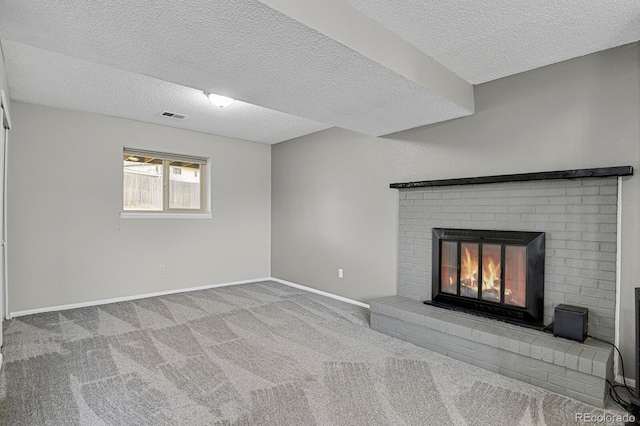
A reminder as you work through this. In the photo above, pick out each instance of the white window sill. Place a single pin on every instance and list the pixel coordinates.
(142, 215)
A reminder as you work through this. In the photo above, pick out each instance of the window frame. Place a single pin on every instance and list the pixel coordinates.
(204, 212)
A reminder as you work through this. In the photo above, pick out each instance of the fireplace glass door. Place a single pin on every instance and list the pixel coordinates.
(491, 272)
(449, 283)
(495, 273)
(515, 271)
(469, 270)
(476, 270)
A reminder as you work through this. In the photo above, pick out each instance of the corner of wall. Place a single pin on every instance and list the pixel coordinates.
(270, 236)
(4, 82)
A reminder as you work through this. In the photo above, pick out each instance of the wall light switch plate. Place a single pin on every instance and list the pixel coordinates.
(340, 273)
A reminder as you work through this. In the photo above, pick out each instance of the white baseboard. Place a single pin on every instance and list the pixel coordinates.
(324, 293)
(127, 298)
(630, 382)
(182, 290)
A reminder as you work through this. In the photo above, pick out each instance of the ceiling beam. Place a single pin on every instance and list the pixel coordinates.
(348, 26)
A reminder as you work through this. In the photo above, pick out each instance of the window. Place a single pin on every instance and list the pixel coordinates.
(154, 182)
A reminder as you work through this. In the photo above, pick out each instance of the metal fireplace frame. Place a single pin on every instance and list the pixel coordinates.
(531, 314)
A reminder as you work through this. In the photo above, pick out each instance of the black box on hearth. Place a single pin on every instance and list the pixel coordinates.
(571, 322)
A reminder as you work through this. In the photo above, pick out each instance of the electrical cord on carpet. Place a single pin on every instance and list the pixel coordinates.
(613, 393)
(628, 406)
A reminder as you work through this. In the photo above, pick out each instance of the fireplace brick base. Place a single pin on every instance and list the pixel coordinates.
(577, 370)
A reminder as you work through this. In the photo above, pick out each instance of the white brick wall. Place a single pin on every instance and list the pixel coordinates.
(578, 218)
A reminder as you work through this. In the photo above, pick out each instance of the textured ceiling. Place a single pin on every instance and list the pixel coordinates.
(134, 59)
(241, 49)
(485, 40)
(51, 79)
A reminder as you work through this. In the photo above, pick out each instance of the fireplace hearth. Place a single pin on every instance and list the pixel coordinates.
(499, 274)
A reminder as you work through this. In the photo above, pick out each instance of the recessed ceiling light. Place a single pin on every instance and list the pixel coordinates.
(218, 100)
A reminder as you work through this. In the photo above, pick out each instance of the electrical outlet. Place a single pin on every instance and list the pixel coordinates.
(340, 273)
(161, 269)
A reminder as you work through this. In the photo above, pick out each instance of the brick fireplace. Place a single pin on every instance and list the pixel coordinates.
(578, 217)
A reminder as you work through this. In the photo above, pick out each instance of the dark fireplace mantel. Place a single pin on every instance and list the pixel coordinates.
(520, 177)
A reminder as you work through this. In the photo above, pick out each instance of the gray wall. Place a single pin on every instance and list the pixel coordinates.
(67, 241)
(4, 85)
(332, 206)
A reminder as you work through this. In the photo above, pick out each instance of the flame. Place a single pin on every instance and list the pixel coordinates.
(490, 274)
(469, 272)
(489, 266)
(469, 269)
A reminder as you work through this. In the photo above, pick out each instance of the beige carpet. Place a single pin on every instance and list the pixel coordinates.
(254, 354)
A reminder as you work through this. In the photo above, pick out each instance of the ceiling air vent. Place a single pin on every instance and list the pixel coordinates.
(173, 115)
